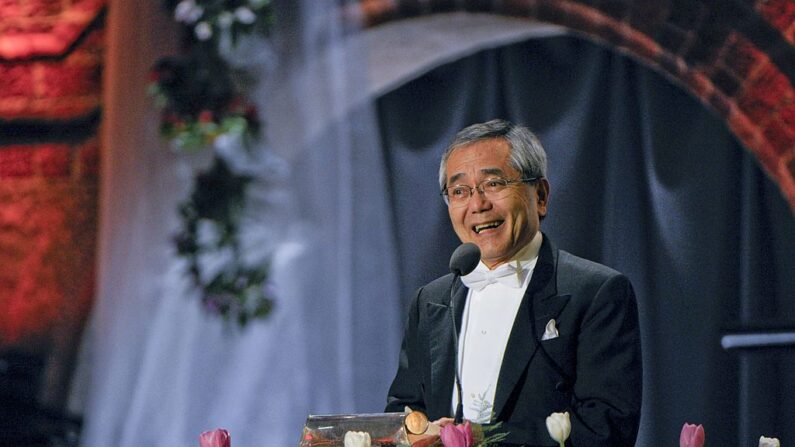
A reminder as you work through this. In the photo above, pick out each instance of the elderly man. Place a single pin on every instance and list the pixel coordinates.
(532, 330)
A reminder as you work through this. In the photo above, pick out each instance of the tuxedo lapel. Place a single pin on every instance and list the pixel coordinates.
(540, 302)
(442, 347)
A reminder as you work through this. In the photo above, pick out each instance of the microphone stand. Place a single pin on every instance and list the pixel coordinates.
(465, 258)
(459, 410)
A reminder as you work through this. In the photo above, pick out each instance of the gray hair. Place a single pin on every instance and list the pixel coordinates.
(527, 154)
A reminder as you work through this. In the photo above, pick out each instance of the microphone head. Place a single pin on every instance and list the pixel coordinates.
(464, 259)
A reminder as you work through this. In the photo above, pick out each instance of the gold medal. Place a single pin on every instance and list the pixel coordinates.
(416, 422)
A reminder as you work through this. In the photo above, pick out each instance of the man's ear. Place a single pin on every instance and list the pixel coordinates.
(542, 196)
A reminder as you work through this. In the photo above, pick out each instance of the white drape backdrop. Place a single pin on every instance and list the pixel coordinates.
(156, 370)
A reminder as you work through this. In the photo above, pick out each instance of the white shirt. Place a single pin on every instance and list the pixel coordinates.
(488, 318)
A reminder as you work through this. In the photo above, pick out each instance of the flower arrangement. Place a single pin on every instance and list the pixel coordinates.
(211, 218)
(218, 19)
(199, 95)
(202, 100)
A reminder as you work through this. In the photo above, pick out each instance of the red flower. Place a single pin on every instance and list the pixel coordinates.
(691, 436)
(206, 116)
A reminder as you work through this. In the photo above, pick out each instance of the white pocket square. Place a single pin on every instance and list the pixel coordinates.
(550, 331)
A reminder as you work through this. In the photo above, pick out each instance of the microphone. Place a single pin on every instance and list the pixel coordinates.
(463, 260)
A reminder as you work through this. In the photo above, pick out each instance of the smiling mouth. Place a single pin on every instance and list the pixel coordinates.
(486, 226)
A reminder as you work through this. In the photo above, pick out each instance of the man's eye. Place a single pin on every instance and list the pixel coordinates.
(458, 191)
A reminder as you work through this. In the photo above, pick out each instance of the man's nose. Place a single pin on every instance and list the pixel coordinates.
(479, 201)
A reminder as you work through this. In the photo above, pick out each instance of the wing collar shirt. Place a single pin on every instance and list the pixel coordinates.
(492, 302)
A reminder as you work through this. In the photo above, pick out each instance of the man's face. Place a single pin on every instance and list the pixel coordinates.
(499, 226)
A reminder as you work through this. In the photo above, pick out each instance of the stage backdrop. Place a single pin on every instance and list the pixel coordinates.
(358, 224)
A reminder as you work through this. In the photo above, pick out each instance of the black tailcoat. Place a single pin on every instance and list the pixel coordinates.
(592, 370)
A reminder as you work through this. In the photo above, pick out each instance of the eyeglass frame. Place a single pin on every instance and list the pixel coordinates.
(479, 187)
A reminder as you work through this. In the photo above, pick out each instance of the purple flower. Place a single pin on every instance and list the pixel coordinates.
(457, 435)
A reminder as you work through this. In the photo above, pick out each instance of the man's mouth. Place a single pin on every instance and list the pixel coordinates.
(486, 226)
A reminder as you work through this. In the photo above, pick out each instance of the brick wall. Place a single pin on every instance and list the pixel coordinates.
(51, 55)
(736, 56)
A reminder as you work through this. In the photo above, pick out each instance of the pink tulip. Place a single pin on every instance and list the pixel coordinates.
(691, 436)
(457, 435)
(215, 438)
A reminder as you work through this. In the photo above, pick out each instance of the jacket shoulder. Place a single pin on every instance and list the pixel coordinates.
(571, 268)
(437, 290)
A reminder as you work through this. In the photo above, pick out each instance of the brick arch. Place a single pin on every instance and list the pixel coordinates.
(51, 59)
(736, 56)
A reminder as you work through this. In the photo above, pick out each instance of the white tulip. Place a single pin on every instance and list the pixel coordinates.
(357, 439)
(203, 31)
(183, 9)
(769, 442)
(245, 16)
(187, 11)
(559, 427)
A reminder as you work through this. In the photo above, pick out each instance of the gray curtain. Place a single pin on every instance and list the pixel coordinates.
(645, 180)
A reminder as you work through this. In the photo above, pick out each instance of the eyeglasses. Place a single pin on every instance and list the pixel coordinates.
(459, 195)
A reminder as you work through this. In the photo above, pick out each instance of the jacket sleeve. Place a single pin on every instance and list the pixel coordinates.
(606, 396)
(406, 389)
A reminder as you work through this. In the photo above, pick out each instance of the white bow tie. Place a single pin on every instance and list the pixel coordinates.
(507, 274)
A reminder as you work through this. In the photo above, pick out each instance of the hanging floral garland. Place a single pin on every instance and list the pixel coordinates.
(202, 99)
